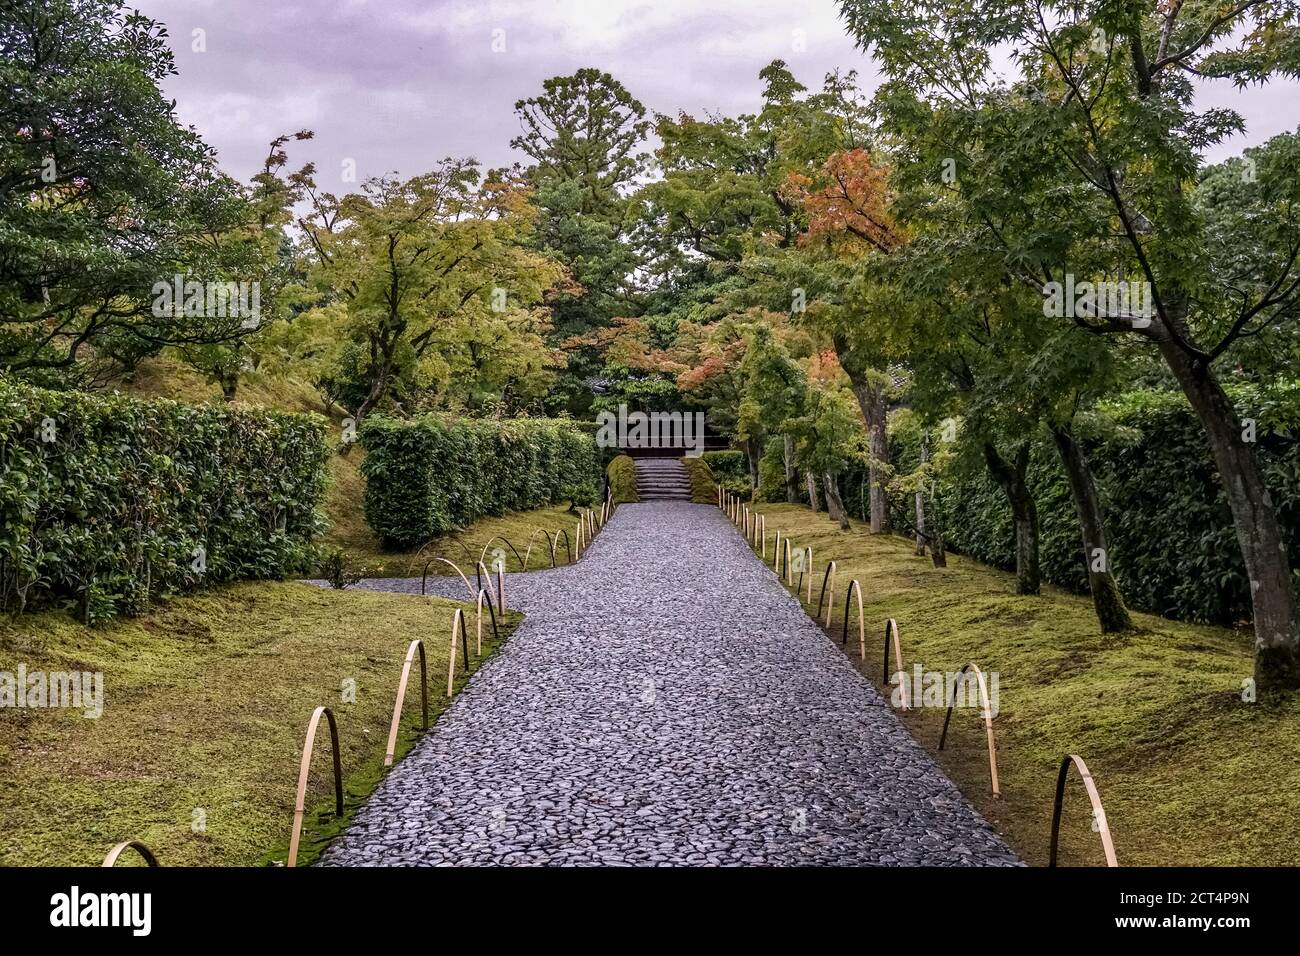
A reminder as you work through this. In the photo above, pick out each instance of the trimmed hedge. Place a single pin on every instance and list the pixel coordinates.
(1172, 541)
(622, 480)
(105, 500)
(704, 490)
(730, 469)
(437, 474)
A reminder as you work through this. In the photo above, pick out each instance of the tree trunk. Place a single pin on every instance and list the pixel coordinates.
(813, 501)
(834, 503)
(1277, 629)
(1107, 599)
(791, 481)
(875, 414)
(229, 386)
(920, 497)
(1011, 478)
(752, 461)
(938, 549)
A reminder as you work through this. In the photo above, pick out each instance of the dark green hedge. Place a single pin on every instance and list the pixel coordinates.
(1173, 545)
(730, 469)
(436, 474)
(109, 511)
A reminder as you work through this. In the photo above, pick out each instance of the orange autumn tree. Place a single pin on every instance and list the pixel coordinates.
(846, 205)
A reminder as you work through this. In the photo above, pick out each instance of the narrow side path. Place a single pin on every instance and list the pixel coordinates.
(665, 701)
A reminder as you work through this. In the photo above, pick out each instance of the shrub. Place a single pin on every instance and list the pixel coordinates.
(1173, 546)
(436, 474)
(731, 470)
(704, 490)
(107, 502)
(622, 480)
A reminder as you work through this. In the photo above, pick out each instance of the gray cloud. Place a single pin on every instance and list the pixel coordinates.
(398, 84)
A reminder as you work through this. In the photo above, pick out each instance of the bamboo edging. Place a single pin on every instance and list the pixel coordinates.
(988, 721)
(304, 768)
(146, 854)
(457, 627)
(1098, 811)
(415, 645)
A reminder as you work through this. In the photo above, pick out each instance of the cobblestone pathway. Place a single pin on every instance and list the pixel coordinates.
(665, 702)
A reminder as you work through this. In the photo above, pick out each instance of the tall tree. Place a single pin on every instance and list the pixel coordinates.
(1105, 122)
(103, 194)
(583, 135)
(414, 269)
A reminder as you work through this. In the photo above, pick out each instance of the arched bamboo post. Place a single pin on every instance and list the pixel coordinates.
(829, 576)
(498, 537)
(855, 589)
(483, 598)
(424, 578)
(826, 577)
(762, 537)
(415, 558)
(1098, 811)
(528, 551)
(988, 721)
(146, 854)
(480, 574)
(806, 570)
(416, 645)
(789, 574)
(457, 628)
(501, 591)
(891, 632)
(577, 541)
(776, 552)
(304, 768)
(718, 488)
(568, 547)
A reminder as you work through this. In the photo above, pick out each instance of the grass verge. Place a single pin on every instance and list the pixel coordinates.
(206, 705)
(1189, 773)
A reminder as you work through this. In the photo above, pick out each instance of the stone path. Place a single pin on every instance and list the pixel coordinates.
(665, 702)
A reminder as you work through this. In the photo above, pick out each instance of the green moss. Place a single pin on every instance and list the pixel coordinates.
(1189, 774)
(622, 480)
(703, 489)
(206, 704)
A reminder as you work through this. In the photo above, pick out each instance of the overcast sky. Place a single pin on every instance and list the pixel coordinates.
(399, 84)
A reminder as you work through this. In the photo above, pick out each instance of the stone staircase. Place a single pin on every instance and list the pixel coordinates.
(662, 479)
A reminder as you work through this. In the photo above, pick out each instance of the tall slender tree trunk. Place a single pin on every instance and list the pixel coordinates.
(920, 497)
(1011, 478)
(938, 549)
(1263, 549)
(813, 502)
(875, 414)
(791, 481)
(752, 461)
(1107, 599)
(834, 503)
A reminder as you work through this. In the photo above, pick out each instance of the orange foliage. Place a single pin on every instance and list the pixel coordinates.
(848, 200)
